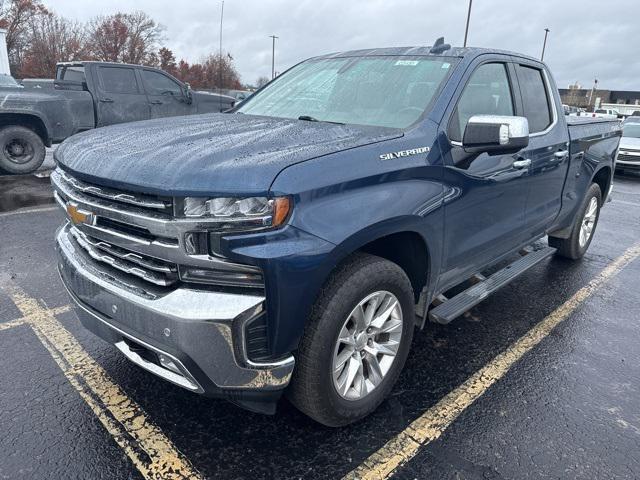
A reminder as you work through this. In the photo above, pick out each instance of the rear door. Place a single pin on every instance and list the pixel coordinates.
(166, 96)
(121, 98)
(484, 194)
(548, 147)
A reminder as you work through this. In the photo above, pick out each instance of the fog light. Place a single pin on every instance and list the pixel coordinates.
(167, 363)
(223, 277)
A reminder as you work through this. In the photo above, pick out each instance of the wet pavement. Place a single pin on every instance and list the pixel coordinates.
(569, 408)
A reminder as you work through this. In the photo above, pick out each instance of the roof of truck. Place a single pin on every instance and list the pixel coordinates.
(80, 63)
(424, 50)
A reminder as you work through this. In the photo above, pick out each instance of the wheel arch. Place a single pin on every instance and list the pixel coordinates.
(28, 120)
(603, 177)
(399, 241)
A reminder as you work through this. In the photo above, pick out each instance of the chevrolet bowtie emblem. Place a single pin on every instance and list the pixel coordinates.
(76, 215)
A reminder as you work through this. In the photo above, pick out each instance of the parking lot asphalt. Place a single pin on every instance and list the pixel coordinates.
(539, 381)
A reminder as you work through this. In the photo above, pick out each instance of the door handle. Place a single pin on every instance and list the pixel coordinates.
(156, 102)
(106, 100)
(560, 154)
(523, 163)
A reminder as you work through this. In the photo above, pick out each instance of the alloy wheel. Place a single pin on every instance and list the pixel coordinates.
(367, 345)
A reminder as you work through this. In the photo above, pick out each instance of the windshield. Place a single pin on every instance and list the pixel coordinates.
(380, 91)
(631, 130)
(8, 81)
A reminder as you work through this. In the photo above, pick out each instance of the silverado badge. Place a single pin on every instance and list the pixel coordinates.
(404, 153)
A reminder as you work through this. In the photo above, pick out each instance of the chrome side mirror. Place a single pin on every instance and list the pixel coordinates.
(495, 134)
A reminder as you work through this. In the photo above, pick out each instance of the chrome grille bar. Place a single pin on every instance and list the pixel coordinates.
(102, 192)
(143, 261)
(120, 264)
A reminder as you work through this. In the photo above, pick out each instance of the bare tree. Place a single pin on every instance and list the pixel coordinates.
(167, 61)
(220, 72)
(262, 81)
(15, 16)
(124, 37)
(52, 39)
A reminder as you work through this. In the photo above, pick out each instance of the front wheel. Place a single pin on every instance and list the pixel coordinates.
(584, 226)
(356, 342)
(21, 150)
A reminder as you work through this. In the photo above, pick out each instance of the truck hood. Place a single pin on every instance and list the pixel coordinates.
(629, 143)
(211, 154)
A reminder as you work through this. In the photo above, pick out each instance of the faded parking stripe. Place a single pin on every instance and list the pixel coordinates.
(430, 425)
(11, 324)
(152, 453)
(21, 321)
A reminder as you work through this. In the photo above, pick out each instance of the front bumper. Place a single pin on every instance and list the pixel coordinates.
(193, 338)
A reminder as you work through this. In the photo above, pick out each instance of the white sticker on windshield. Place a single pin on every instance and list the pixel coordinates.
(445, 65)
(409, 63)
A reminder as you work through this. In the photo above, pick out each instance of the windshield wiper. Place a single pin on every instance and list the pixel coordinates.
(309, 118)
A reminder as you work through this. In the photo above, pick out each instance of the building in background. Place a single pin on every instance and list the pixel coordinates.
(624, 101)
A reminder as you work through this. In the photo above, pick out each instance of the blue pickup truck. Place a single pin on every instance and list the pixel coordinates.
(294, 244)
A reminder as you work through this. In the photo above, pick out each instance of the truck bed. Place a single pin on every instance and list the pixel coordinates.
(582, 128)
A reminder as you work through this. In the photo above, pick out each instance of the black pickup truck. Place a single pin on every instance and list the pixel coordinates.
(87, 95)
(287, 246)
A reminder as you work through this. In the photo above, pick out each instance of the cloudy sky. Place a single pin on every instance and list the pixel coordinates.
(589, 38)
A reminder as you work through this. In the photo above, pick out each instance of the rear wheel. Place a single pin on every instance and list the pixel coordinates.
(584, 226)
(356, 342)
(21, 150)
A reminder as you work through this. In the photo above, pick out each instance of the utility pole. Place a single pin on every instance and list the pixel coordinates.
(273, 56)
(466, 28)
(544, 45)
(220, 54)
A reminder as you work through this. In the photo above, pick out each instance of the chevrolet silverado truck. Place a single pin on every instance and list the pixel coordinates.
(294, 244)
(87, 95)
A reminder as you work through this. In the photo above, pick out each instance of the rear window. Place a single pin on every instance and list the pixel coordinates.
(118, 80)
(73, 73)
(535, 99)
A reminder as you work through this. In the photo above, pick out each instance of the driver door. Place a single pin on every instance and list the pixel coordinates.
(485, 195)
(165, 95)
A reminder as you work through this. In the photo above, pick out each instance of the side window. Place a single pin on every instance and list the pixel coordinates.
(118, 80)
(535, 99)
(487, 93)
(158, 84)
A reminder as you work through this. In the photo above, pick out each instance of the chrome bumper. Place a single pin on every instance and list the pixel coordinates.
(198, 333)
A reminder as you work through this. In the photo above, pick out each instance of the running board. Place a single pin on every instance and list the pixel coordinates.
(451, 308)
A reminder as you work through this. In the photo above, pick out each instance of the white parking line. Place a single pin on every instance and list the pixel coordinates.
(29, 210)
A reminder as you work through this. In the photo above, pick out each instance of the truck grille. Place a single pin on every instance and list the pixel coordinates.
(626, 157)
(156, 271)
(144, 201)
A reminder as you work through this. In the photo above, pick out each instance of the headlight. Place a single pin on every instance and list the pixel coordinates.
(250, 212)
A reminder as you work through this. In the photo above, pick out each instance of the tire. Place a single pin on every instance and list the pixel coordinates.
(314, 390)
(21, 150)
(573, 247)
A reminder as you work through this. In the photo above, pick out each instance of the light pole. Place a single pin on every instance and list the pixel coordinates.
(544, 45)
(466, 28)
(273, 56)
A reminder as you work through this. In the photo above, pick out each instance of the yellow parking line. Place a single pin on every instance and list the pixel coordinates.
(152, 453)
(430, 425)
(21, 321)
(13, 323)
